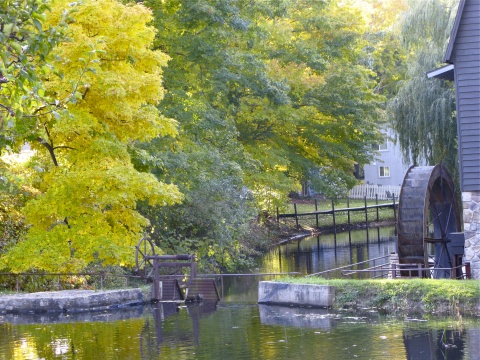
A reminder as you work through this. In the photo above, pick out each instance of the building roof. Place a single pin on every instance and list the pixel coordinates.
(445, 73)
(453, 34)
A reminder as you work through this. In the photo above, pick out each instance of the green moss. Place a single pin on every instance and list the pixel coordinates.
(403, 295)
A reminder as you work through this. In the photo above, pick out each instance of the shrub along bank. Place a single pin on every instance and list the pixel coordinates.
(404, 296)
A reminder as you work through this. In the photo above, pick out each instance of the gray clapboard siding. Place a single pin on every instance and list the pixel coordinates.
(469, 52)
(471, 157)
(467, 101)
(470, 108)
(464, 53)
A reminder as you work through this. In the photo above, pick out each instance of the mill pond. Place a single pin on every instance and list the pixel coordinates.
(239, 328)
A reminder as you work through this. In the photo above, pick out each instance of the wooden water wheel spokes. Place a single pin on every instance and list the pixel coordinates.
(428, 214)
(144, 251)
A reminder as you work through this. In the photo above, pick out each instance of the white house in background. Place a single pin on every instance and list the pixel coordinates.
(388, 169)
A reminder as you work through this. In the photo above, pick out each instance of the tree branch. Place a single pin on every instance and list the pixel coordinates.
(63, 147)
(50, 149)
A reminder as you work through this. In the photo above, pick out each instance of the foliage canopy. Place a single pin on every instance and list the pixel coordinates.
(108, 81)
(265, 96)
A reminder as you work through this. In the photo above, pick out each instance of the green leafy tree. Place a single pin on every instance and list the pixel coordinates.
(207, 161)
(14, 193)
(111, 82)
(263, 93)
(332, 116)
(277, 88)
(25, 50)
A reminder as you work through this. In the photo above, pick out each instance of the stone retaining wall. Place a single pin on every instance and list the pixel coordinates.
(70, 301)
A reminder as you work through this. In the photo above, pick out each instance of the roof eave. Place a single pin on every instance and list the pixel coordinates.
(444, 73)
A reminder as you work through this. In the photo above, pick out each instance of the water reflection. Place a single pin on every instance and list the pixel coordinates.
(195, 310)
(243, 331)
(66, 317)
(320, 319)
(328, 251)
(436, 344)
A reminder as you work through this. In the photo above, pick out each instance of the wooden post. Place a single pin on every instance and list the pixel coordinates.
(296, 216)
(366, 216)
(157, 296)
(453, 270)
(348, 211)
(376, 203)
(334, 220)
(221, 281)
(193, 267)
(395, 213)
(394, 273)
(468, 271)
(316, 210)
(349, 228)
(278, 216)
(366, 211)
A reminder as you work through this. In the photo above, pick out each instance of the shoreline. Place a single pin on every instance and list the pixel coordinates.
(395, 297)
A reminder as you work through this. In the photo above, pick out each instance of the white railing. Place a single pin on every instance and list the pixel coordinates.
(384, 192)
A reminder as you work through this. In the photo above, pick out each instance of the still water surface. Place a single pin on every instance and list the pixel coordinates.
(328, 251)
(238, 328)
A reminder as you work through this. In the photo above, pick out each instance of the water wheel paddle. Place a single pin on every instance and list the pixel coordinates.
(428, 214)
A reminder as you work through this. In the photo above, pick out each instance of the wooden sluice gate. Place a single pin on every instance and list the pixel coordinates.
(193, 290)
(171, 288)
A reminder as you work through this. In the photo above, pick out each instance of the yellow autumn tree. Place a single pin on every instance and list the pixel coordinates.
(108, 81)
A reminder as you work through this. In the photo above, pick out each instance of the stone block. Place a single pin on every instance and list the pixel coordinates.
(475, 196)
(270, 292)
(473, 206)
(466, 196)
(469, 234)
(467, 216)
(476, 217)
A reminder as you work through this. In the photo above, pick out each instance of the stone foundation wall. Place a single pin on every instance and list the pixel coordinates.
(471, 224)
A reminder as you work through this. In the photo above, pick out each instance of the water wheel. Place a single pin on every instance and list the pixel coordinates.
(428, 215)
(144, 251)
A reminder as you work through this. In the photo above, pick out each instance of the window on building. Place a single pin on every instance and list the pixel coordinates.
(383, 146)
(384, 171)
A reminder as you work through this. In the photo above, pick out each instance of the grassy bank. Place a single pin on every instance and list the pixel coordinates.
(408, 296)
